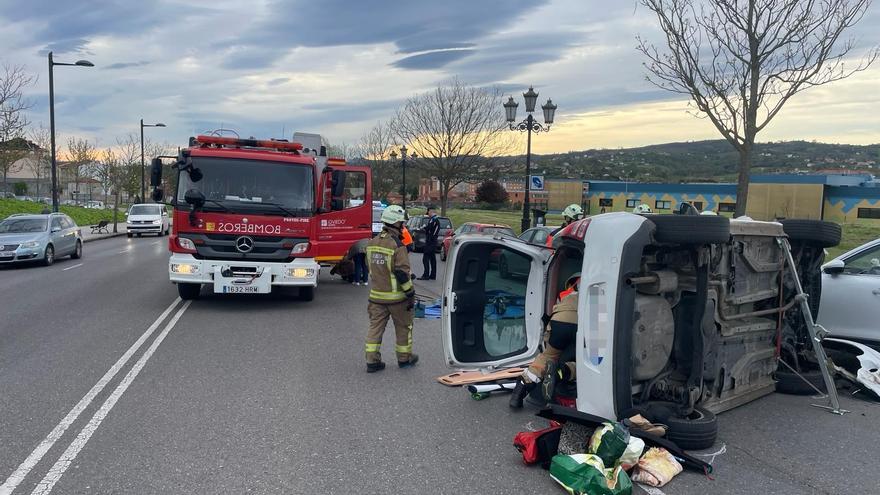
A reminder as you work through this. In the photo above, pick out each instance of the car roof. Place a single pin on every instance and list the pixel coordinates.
(34, 215)
(477, 224)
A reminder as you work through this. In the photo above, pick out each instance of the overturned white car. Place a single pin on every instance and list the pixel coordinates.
(684, 313)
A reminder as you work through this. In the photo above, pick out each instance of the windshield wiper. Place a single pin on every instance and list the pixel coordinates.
(217, 203)
(295, 213)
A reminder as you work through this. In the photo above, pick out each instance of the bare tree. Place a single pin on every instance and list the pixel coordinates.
(112, 177)
(129, 155)
(40, 160)
(452, 129)
(81, 157)
(375, 148)
(740, 61)
(13, 119)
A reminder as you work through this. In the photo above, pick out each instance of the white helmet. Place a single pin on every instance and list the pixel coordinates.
(393, 214)
(708, 213)
(642, 209)
(573, 211)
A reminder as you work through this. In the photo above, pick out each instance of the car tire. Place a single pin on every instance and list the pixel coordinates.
(443, 255)
(138, 234)
(188, 291)
(816, 233)
(691, 229)
(789, 383)
(695, 432)
(129, 235)
(77, 251)
(307, 293)
(49, 256)
(503, 269)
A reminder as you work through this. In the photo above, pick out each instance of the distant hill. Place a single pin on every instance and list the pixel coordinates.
(699, 161)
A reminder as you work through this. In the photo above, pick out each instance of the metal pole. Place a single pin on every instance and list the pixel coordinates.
(526, 214)
(52, 136)
(143, 196)
(404, 183)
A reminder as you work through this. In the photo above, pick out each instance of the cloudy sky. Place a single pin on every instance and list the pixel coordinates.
(264, 67)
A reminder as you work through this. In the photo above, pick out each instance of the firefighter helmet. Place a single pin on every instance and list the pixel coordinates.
(573, 211)
(393, 214)
(642, 209)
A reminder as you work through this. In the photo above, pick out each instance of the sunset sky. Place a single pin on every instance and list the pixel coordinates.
(337, 67)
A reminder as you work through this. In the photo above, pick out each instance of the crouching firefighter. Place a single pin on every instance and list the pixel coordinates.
(562, 334)
(391, 292)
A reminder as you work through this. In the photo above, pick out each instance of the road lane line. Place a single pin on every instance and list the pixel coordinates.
(72, 267)
(22, 471)
(67, 458)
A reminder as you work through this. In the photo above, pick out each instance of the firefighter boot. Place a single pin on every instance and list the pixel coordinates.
(413, 359)
(374, 367)
(520, 392)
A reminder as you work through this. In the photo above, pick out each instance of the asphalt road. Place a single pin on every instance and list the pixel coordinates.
(110, 385)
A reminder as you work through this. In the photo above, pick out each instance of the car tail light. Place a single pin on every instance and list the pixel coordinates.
(576, 230)
(300, 248)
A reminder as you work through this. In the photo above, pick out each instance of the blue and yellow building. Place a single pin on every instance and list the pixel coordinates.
(838, 198)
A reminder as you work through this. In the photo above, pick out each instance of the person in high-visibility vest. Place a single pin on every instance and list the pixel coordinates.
(406, 238)
(391, 292)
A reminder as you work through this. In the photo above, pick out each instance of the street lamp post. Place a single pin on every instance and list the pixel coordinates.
(52, 64)
(529, 125)
(403, 166)
(143, 178)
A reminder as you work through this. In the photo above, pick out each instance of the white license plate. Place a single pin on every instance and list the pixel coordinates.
(241, 289)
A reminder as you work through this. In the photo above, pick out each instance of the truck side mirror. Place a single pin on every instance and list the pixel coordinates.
(194, 198)
(156, 172)
(158, 194)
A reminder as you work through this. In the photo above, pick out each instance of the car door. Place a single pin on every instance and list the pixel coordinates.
(850, 302)
(59, 237)
(489, 321)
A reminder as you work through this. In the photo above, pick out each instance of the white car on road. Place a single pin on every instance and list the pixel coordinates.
(850, 304)
(147, 218)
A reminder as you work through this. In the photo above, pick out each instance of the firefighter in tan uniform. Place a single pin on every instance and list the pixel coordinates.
(562, 333)
(391, 292)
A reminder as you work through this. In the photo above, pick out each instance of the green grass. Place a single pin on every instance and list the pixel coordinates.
(854, 235)
(82, 216)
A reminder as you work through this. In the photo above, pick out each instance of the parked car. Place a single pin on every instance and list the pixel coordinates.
(23, 198)
(147, 218)
(850, 303)
(415, 225)
(472, 228)
(677, 313)
(39, 238)
(95, 205)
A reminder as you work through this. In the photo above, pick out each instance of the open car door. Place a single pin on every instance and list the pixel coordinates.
(490, 320)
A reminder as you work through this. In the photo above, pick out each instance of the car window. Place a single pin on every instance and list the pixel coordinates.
(541, 236)
(56, 223)
(22, 225)
(67, 223)
(498, 230)
(527, 235)
(864, 263)
(145, 210)
(445, 223)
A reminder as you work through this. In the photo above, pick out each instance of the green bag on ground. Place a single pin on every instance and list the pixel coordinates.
(585, 474)
(609, 442)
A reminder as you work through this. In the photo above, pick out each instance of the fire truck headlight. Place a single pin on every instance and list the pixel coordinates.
(301, 272)
(185, 243)
(300, 248)
(184, 268)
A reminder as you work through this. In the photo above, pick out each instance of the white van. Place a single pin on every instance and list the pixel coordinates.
(147, 218)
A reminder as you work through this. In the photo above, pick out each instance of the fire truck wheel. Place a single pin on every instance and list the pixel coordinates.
(306, 293)
(188, 291)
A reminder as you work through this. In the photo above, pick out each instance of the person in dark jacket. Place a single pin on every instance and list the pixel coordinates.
(358, 253)
(429, 253)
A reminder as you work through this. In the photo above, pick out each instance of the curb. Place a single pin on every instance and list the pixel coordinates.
(108, 236)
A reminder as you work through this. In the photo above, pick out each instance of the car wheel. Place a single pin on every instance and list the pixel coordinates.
(129, 235)
(138, 234)
(789, 383)
(188, 291)
(812, 232)
(691, 229)
(49, 256)
(443, 254)
(697, 431)
(503, 269)
(78, 251)
(306, 293)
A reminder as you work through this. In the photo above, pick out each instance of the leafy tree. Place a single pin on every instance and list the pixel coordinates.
(491, 192)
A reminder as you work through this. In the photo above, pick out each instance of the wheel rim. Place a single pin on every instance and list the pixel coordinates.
(50, 254)
(79, 249)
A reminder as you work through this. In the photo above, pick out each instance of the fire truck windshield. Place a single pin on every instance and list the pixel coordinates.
(251, 186)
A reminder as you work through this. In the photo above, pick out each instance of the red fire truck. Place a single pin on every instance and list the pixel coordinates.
(250, 215)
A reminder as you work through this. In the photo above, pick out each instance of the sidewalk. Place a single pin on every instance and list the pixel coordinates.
(89, 237)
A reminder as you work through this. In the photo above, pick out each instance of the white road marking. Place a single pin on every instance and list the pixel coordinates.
(651, 490)
(72, 267)
(22, 471)
(124, 251)
(67, 458)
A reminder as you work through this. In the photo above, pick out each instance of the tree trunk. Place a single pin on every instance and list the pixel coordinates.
(742, 184)
(115, 209)
(444, 198)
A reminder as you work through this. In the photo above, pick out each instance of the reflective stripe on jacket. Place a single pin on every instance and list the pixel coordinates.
(386, 255)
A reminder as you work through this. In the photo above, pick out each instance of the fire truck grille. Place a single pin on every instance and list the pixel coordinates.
(224, 247)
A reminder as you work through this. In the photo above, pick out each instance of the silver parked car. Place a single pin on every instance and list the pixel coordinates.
(850, 303)
(39, 238)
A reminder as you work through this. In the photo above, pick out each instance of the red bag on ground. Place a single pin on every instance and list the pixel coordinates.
(539, 446)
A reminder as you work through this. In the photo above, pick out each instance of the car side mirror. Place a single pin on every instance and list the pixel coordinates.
(834, 267)
(194, 197)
